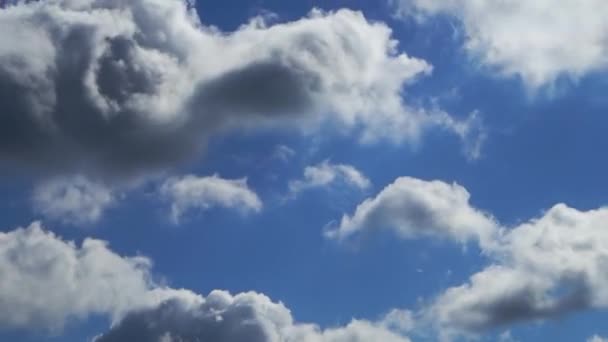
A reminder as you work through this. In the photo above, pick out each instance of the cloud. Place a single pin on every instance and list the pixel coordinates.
(283, 153)
(326, 173)
(541, 269)
(245, 317)
(536, 40)
(547, 267)
(73, 200)
(193, 192)
(121, 88)
(47, 282)
(414, 208)
(473, 134)
(596, 338)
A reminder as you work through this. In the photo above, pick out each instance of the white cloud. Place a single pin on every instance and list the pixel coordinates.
(118, 88)
(73, 200)
(549, 266)
(538, 40)
(541, 269)
(596, 338)
(193, 192)
(414, 208)
(326, 173)
(399, 320)
(47, 282)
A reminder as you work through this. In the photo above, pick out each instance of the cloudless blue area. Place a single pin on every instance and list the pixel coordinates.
(541, 149)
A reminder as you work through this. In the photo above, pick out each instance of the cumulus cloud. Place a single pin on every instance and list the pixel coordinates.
(596, 338)
(537, 40)
(193, 192)
(541, 269)
(245, 317)
(47, 281)
(327, 173)
(74, 200)
(549, 266)
(114, 87)
(413, 208)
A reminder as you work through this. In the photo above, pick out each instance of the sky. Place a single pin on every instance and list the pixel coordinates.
(303, 171)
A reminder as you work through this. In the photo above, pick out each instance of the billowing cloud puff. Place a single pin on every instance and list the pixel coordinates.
(245, 317)
(326, 173)
(73, 200)
(538, 40)
(114, 87)
(413, 208)
(541, 269)
(47, 281)
(193, 192)
(547, 267)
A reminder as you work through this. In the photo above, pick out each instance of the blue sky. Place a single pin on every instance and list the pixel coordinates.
(237, 157)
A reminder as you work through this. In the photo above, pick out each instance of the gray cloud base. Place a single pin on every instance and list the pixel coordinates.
(541, 269)
(246, 317)
(90, 279)
(123, 88)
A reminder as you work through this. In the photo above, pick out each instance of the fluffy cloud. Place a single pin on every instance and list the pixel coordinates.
(544, 268)
(193, 192)
(537, 40)
(113, 87)
(47, 281)
(414, 208)
(541, 269)
(245, 317)
(74, 200)
(326, 173)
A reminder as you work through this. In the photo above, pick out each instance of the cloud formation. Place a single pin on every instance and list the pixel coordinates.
(536, 40)
(414, 208)
(541, 269)
(596, 338)
(547, 267)
(111, 87)
(47, 281)
(326, 173)
(192, 192)
(245, 317)
(72, 200)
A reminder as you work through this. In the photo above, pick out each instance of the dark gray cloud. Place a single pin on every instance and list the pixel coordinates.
(174, 321)
(501, 296)
(245, 317)
(122, 88)
(54, 122)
